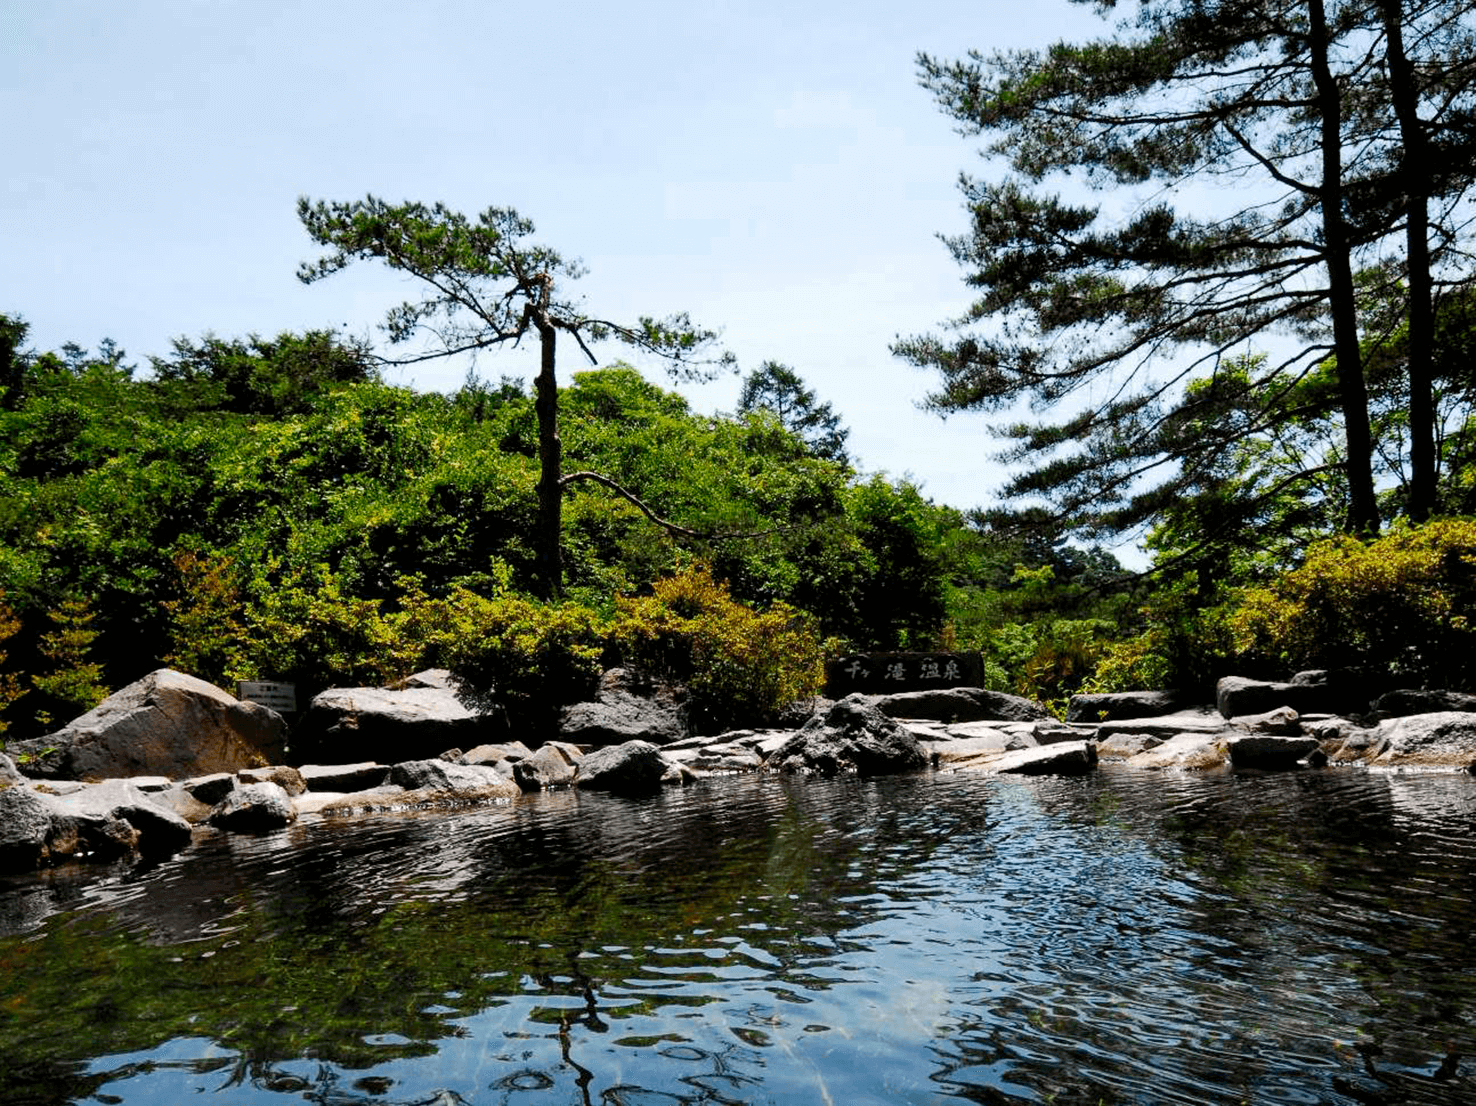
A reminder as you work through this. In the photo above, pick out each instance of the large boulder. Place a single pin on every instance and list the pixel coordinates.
(166, 724)
(852, 736)
(619, 716)
(632, 768)
(1114, 705)
(1307, 693)
(157, 831)
(1443, 741)
(106, 821)
(961, 704)
(628, 706)
(418, 720)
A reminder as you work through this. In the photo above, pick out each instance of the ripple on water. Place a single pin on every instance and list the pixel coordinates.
(1126, 937)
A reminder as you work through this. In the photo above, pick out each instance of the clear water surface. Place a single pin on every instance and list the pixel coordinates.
(1124, 937)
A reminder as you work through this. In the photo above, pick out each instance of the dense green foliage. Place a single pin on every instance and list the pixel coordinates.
(270, 509)
(1402, 607)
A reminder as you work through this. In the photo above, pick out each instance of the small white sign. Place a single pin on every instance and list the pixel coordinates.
(282, 698)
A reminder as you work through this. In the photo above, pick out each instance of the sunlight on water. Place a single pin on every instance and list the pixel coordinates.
(1127, 937)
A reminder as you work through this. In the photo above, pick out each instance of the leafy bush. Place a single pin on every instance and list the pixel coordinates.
(1400, 606)
(10, 685)
(740, 666)
(528, 656)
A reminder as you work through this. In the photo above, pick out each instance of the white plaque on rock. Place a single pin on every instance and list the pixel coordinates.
(282, 698)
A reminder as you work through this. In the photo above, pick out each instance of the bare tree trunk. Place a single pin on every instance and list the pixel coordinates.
(1363, 509)
(550, 450)
(1414, 178)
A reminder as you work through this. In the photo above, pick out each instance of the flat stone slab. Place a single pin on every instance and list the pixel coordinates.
(1169, 725)
(1062, 758)
(344, 777)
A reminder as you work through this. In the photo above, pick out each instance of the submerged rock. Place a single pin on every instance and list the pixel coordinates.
(853, 736)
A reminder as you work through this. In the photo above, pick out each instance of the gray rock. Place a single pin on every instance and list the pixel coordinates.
(254, 808)
(1269, 751)
(633, 768)
(721, 758)
(1062, 758)
(1167, 726)
(512, 751)
(1115, 705)
(288, 779)
(960, 704)
(9, 773)
(158, 831)
(25, 824)
(1281, 722)
(166, 724)
(1237, 695)
(210, 789)
(1444, 740)
(1052, 733)
(1125, 746)
(552, 765)
(1403, 702)
(961, 750)
(1190, 751)
(618, 716)
(853, 736)
(473, 782)
(344, 777)
(390, 724)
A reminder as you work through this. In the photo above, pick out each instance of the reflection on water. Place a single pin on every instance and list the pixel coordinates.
(1126, 937)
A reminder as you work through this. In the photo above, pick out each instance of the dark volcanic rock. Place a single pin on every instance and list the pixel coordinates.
(634, 768)
(166, 724)
(852, 736)
(960, 704)
(1117, 705)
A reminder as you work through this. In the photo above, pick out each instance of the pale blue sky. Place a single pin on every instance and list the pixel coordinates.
(773, 169)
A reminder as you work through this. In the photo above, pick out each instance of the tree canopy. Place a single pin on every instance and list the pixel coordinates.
(487, 285)
(1262, 166)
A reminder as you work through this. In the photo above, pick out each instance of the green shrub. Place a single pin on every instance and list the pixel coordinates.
(740, 666)
(528, 656)
(1402, 606)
